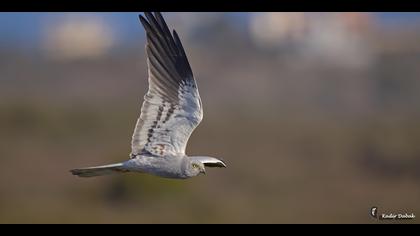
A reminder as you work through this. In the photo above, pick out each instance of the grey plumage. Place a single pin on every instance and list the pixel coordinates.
(171, 110)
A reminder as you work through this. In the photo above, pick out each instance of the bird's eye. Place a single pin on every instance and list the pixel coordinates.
(194, 165)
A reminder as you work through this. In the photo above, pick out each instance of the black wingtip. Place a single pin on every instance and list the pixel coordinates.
(149, 16)
(159, 17)
(146, 24)
(142, 19)
(177, 39)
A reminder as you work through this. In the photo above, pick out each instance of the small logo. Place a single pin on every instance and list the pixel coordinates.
(374, 212)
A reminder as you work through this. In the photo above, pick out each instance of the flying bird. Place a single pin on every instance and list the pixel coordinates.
(171, 110)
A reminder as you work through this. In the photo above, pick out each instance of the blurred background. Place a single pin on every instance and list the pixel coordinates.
(316, 115)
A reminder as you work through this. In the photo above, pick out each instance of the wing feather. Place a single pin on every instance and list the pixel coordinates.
(172, 107)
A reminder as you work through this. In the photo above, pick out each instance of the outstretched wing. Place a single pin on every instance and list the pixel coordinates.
(172, 107)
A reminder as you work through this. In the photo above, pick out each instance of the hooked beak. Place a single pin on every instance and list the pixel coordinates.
(203, 171)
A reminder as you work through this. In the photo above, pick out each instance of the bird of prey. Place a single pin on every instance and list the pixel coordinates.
(171, 110)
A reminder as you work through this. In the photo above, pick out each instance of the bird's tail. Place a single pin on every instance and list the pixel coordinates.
(99, 170)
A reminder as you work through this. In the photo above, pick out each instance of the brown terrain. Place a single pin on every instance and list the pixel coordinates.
(306, 140)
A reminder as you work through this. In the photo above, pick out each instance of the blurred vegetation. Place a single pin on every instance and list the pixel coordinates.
(304, 141)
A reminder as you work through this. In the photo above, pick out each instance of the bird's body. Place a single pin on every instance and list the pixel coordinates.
(171, 110)
(167, 166)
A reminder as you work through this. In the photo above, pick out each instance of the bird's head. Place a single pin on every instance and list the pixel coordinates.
(194, 168)
(198, 167)
(195, 165)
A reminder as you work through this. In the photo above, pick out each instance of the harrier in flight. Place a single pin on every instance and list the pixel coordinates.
(170, 112)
